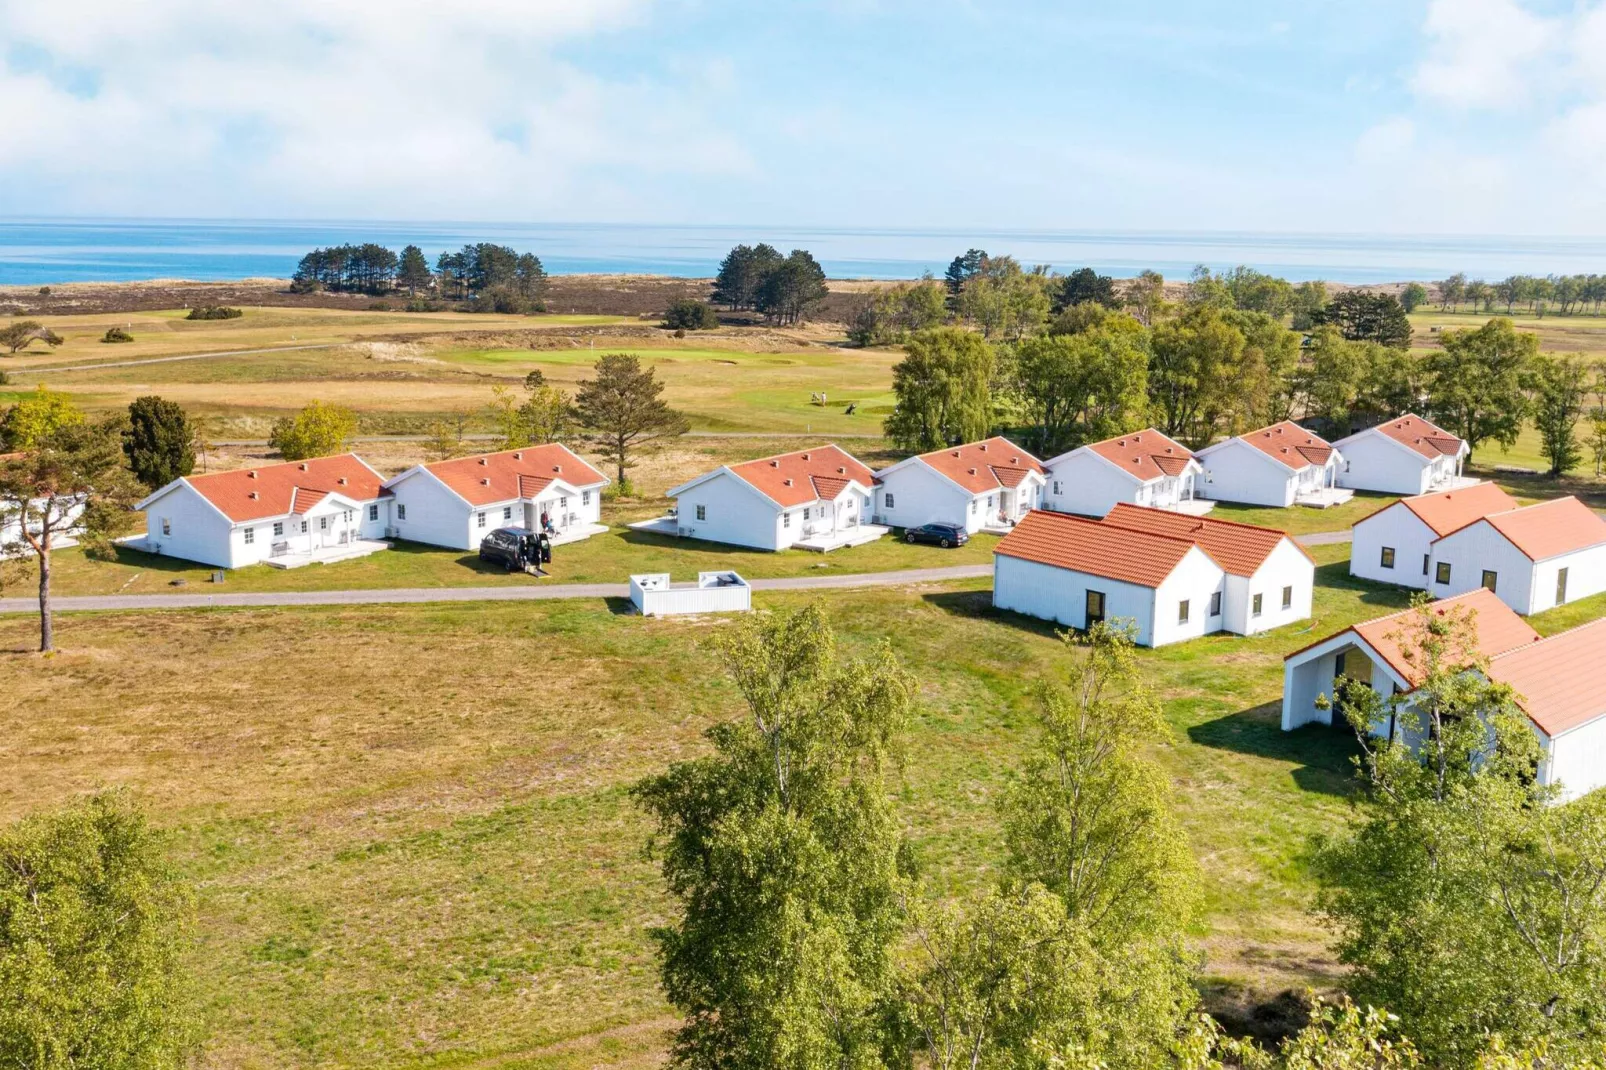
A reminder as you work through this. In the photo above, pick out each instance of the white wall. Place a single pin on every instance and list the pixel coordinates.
(1479, 546)
(11, 540)
(921, 496)
(1578, 759)
(1284, 567)
(737, 514)
(1586, 575)
(199, 532)
(1060, 595)
(1401, 529)
(1088, 484)
(1196, 578)
(434, 515)
(1237, 472)
(1375, 462)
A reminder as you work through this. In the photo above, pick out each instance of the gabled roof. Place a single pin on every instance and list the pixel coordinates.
(1548, 529)
(1499, 629)
(1415, 433)
(1145, 455)
(1560, 681)
(1449, 510)
(1238, 548)
(511, 474)
(1094, 547)
(804, 476)
(1290, 445)
(280, 489)
(982, 466)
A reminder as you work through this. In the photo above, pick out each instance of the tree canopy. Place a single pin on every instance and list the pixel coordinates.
(159, 442)
(1476, 381)
(621, 404)
(943, 390)
(318, 430)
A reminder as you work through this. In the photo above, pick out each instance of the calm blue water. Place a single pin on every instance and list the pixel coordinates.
(42, 251)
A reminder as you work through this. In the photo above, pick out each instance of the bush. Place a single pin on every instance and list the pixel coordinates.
(4, 379)
(423, 304)
(305, 286)
(214, 312)
(116, 334)
(690, 315)
(44, 291)
(379, 306)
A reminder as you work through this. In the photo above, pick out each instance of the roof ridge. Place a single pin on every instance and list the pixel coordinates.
(805, 449)
(1210, 520)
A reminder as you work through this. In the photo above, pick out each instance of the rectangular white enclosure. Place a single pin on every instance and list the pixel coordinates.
(714, 592)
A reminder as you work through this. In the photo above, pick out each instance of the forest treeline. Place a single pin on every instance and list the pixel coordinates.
(485, 276)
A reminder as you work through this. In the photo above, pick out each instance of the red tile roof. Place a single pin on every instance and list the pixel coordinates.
(511, 474)
(278, 489)
(1449, 510)
(1146, 454)
(1094, 547)
(1425, 438)
(1499, 629)
(1560, 681)
(1548, 529)
(1238, 548)
(798, 478)
(1290, 444)
(984, 466)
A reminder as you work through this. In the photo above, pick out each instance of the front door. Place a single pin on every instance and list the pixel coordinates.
(1095, 608)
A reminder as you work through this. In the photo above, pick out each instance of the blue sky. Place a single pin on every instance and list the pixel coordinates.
(1408, 116)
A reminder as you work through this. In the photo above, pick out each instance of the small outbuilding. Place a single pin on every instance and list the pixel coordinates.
(1395, 543)
(977, 486)
(1278, 466)
(1141, 468)
(654, 595)
(1409, 455)
(1535, 558)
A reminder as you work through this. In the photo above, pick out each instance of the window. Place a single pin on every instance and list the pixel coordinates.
(1056, 486)
(507, 512)
(1388, 557)
(401, 511)
(1288, 598)
(373, 512)
(1255, 609)
(1561, 586)
(323, 523)
(167, 529)
(1424, 564)
(346, 515)
(973, 507)
(303, 527)
(250, 536)
(1490, 579)
(805, 512)
(278, 529)
(1215, 604)
(990, 501)
(563, 501)
(1095, 608)
(479, 520)
(886, 502)
(1443, 574)
(585, 497)
(1182, 611)
(702, 512)
(786, 520)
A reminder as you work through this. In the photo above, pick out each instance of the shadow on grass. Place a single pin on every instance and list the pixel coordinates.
(979, 604)
(1336, 576)
(1323, 755)
(620, 607)
(660, 541)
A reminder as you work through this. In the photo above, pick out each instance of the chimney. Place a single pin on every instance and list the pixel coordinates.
(955, 453)
(303, 466)
(557, 468)
(841, 471)
(518, 456)
(252, 474)
(984, 447)
(341, 481)
(805, 456)
(972, 471)
(483, 461)
(788, 482)
(485, 482)
(253, 494)
(775, 464)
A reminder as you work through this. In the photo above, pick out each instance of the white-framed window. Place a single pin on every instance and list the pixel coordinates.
(303, 527)
(1056, 486)
(507, 512)
(1258, 602)
(1288, 598)
(1215, 604)
(806, 512)
(323, 523)
(373, 512)
(702, 512)
(786, 520)
(563, 501)
(1182, 611)
(401, 511)
(990, 501)
(346, 515)
(886, 501)
(278, 528)
(479, 520)
(973, 507)
(167, 526)
(250, 536)
(1443, 574)
(585, 497)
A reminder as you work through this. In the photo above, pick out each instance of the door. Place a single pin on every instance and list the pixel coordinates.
(1561, 586)
(1095, 608)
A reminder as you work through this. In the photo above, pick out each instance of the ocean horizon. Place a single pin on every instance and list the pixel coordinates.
(39, 252)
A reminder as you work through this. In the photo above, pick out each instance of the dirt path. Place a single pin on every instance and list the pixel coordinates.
(168, 360)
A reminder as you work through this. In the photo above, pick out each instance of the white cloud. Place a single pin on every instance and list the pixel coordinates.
(409, 108)
(1484, 53)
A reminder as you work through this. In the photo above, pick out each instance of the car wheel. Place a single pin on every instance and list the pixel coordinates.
(945, 544)
(909, 538)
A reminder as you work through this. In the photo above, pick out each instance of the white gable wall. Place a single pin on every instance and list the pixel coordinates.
(1477, 547)
(1196, 578)
(1586, 575)
(1060, 595)
(1577, 759)
(199, 531)
(1238, 472)
(1404, 531)
(425, 510)
(922, 496)
(1284, 567)
(1373, 461)
(735, 513)
(1085, 483)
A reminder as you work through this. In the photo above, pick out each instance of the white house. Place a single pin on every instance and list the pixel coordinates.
(816, 499)
(989, 484)
(1143, 468)
(298, 512)
(1559, 682)
(11, 541)
(1277, 466)
(1534, 558)
(1395, 544)
(1174, 577)
(456, 503)
(1404, 456)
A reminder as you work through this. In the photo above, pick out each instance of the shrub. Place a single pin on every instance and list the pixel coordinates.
(423, 304)
(379, 306)
(4, 379)
(214, 312)
(690, 315)
(116, 334)
(305, 286)
(44, 291)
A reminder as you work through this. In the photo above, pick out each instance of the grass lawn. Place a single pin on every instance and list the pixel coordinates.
(409, 829)
(1301, 520)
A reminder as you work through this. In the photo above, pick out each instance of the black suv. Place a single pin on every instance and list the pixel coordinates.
(944, 535)
(512, 548)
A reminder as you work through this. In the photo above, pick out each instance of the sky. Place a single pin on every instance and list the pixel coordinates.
(1315, 116)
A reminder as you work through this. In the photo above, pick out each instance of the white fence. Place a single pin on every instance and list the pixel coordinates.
(714, 592)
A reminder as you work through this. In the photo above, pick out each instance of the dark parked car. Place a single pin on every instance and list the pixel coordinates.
(944, 535)
(512, 548)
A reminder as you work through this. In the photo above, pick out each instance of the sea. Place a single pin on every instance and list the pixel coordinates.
(49, 251)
